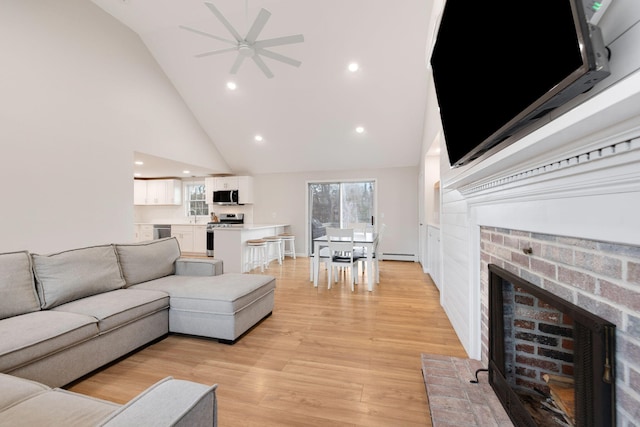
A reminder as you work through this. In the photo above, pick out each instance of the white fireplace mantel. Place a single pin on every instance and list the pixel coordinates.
(577, 176)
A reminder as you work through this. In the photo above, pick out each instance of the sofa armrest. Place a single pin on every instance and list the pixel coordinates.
(169, 402)
(198, 267)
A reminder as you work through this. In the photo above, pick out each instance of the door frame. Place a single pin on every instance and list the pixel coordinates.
(307, 230)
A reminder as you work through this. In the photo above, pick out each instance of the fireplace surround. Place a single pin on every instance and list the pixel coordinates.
(534, 334)
(603, 278)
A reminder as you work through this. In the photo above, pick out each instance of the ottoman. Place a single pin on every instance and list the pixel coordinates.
(222, 307)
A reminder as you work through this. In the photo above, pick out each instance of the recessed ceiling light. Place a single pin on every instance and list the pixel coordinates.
(258, 138)
(185, 171)
(353, 67)
(360, 129)
(139, 163)
(232, 85)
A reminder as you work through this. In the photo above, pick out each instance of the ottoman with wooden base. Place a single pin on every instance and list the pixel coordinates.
(222, 307)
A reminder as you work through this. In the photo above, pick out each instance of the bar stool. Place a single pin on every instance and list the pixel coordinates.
(256, 254)
(291, 238)
(271, 242)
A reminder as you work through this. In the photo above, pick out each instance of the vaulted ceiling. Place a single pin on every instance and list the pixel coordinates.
(306, 115)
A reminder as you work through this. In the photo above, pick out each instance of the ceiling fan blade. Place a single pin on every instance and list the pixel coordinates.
(279, 57)
(202, 33)
(224, 21)
(298, 38)
(215, 52)
(260, 63)
(258, 25)
(237, 63)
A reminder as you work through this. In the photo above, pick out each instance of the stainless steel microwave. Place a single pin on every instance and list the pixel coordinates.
(225, 197)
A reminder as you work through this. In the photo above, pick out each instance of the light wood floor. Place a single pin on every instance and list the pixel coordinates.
(324, 358)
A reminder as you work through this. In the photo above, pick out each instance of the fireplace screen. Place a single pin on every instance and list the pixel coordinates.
(551, 362)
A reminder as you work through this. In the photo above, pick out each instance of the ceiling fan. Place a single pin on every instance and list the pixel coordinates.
(248, 46)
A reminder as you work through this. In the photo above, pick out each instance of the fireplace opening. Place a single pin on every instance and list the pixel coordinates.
(551, 363)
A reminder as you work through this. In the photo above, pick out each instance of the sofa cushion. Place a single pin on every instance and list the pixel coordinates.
(57, 407)
(14, 390)
(77, 273)
(227, 293)
(199, 267)
(32, 336)
(170, 402)
(17, 288)
(150, 260)
(117, 308)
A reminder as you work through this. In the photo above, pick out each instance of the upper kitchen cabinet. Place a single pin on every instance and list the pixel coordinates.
(244, 185)
(226, 183)
(139, 192)
(157, 192)
(245, 190)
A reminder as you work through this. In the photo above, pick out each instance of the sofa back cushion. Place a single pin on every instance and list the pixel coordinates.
(17, 288)
(71, 275)
(141, 262)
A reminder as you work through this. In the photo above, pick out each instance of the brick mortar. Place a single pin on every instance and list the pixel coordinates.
(610, 289)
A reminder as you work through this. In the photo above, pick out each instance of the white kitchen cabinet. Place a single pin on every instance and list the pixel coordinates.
(184, 235)
(245, 190)
(244, 185)
(157, 192)
(139, 192)
(225, 183)
(200, 239)
(164, 192)
(209, 187)
(144, 232)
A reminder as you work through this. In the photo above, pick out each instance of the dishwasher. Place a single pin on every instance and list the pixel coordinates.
(160, 231)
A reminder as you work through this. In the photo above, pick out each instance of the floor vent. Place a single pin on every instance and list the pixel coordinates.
(398, 257)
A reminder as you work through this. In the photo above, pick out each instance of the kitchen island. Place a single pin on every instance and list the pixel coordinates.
(230, 243)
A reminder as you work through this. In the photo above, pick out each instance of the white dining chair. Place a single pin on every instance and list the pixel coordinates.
(341, 254)
(362, 254)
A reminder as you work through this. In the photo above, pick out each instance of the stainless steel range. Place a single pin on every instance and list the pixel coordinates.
(224, 220)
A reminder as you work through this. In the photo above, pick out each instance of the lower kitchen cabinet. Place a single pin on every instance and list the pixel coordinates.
(184, 235)
(191, 238)
(144, 232)
(200, 239)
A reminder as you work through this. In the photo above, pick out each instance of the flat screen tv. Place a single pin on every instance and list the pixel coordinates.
(499, 68)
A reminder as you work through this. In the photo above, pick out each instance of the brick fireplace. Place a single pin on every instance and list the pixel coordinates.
(601, 277)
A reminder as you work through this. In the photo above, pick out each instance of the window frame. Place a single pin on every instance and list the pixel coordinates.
(187, 190)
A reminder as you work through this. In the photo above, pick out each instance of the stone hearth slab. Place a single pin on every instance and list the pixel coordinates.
(453, 400)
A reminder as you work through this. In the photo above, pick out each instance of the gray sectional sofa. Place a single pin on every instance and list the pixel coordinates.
(169, 402)
(66, 314)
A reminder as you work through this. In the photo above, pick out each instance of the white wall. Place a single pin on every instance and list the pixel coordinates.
(281, 198)
(79, 94)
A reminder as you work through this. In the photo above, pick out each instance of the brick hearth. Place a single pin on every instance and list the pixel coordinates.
(453, 400)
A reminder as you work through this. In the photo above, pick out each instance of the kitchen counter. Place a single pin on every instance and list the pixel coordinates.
(230, 243)
(172, 222)
(247, 227)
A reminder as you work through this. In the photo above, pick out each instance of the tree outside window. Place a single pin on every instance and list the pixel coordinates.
(195, 201)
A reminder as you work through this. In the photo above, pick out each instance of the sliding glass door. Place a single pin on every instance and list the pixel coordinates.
(340, 204)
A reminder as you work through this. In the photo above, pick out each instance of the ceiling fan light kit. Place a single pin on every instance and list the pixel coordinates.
(248, 46)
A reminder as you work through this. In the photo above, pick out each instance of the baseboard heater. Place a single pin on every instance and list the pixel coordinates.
(398, 257)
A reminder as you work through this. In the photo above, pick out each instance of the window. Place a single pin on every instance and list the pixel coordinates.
(195, 202)
(340, 204)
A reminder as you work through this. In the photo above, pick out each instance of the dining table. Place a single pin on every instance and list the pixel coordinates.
(364, 240)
